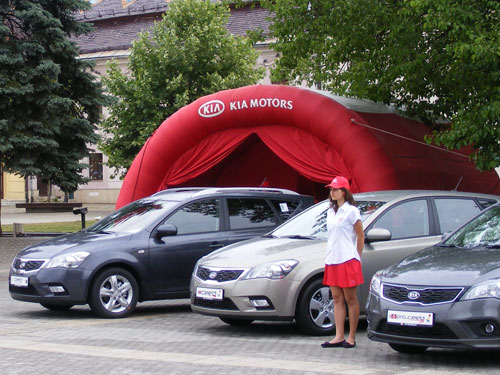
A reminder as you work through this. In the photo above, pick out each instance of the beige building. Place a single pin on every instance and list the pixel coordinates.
(13, 187)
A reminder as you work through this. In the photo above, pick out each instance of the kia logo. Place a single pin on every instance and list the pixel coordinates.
(211, 109)
(413, 295)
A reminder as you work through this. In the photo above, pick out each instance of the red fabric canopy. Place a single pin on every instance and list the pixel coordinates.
(317, 162)
(292, 138)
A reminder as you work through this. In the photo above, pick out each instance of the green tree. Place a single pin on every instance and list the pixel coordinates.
(49, 102)
(438, 59)
(188, 54)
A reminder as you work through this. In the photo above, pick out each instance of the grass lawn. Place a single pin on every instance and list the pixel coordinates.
(61, 227)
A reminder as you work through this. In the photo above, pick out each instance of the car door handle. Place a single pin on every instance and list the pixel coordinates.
(216, 245)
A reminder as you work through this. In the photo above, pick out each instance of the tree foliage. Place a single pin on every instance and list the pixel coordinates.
(188, 54)
(49, 102)
(437, 59)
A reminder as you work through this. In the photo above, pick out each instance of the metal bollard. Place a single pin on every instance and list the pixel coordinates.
(82, 211)
(18, 229)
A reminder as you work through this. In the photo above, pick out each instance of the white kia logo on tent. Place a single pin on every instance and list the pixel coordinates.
(211, 109)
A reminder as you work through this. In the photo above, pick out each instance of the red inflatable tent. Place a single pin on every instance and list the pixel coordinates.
(295, 138)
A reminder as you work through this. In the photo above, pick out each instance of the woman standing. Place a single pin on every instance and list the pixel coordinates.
(343, 260)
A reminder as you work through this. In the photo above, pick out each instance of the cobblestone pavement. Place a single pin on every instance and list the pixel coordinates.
(167, 338)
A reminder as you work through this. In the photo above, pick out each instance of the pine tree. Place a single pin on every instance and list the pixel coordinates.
(49, 101)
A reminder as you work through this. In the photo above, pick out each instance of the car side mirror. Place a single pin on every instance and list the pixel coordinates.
(378, 234)
(166, 230)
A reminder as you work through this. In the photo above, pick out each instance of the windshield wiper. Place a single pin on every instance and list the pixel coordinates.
(268, 235)
(299, 237)
(493, 246)
(447, 245)
(101, 231)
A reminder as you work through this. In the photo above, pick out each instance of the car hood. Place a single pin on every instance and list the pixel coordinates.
(79, 241)
(261, 250)
(446, 266)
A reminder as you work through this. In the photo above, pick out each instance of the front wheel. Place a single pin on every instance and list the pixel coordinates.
(408, 349)
(113, 293)
(314, 313)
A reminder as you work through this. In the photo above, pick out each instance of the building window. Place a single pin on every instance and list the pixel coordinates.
(95, 166)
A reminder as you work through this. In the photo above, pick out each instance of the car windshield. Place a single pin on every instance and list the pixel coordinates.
(134, 216)
(312, 222)
(484, 230)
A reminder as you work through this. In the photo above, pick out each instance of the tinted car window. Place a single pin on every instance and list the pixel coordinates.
(196, 217)
(408, 219)
(453, 212)
(249, 213)
(285, 208)
(485, 203)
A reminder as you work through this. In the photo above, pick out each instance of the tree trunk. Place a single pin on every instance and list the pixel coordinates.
(49, 193)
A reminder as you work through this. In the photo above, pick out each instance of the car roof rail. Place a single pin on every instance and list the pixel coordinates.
(245, 189)
(177, 190)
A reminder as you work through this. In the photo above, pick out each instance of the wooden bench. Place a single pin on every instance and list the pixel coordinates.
(48, 207)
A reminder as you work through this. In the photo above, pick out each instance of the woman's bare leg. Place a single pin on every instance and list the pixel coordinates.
(351, 297)
(339, 313)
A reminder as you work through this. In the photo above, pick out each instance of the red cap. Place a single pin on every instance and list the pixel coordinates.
(339, 182)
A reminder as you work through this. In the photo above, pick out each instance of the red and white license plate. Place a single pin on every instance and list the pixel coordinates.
(212, 294)
(410, 318)
(19, 281)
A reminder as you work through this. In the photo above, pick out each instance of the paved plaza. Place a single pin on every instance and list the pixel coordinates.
(165, 337)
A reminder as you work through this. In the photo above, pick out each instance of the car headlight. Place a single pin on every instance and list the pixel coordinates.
(272, 270)
(488, 289)
(376, 283)
(70, 260)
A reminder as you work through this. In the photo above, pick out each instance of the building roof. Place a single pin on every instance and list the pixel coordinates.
(108, 9)
(118, 22)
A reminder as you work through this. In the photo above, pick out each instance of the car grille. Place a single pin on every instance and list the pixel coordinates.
(438, 331)
(225, 304)
(20, 264)
(428, 296)
(218, 275)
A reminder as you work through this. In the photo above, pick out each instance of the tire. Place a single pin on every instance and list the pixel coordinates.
(113, 293)
(237, 322)
(408, 349)
(52, 307)
(314, 312)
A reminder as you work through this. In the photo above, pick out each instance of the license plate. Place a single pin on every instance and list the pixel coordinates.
(210, 293)
(409, 318)
(20, 281)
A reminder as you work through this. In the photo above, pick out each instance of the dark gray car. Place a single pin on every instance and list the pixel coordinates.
(147, 249)
(444, 296)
